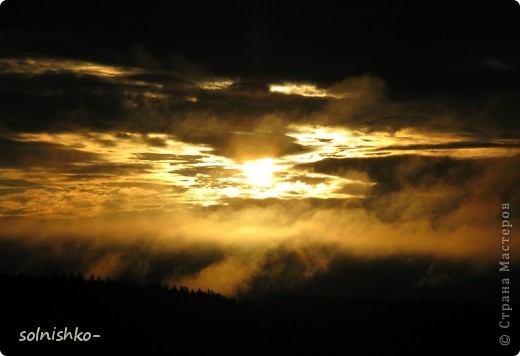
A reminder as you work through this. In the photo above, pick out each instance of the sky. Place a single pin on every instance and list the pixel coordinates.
(256, 147)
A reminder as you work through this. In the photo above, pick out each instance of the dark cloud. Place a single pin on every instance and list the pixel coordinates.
(249, 145)
(450, 146)
(314, 265)
(393, 173)
(59, 102)
(110, 169)
(429, 47)
(366, 102)
(214, 172)
(357, 189)
(16, 183)
(44, 94)
(135, 260)
(13, 187)
(411, 188)
(154, 141)
(147, 156)
(400, 277)
(40, 154)
(77, 164)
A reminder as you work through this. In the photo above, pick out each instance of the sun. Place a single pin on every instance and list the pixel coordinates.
(260, 172)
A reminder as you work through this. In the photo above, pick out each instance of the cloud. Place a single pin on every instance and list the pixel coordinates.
(40, 154)
(133, 168)
(430, 215)
(392, 146)
(36, 67)
(366, 104)
(152, 96)
(303, 89)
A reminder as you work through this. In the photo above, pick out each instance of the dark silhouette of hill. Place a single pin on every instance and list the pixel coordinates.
(156, 320)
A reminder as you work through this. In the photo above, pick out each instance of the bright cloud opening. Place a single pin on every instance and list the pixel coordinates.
(260, 172)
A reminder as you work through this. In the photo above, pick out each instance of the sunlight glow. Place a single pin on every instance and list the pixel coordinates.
(88, 173)
(260, 172)
(216, 84)
(302, 89)
(32, 66)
